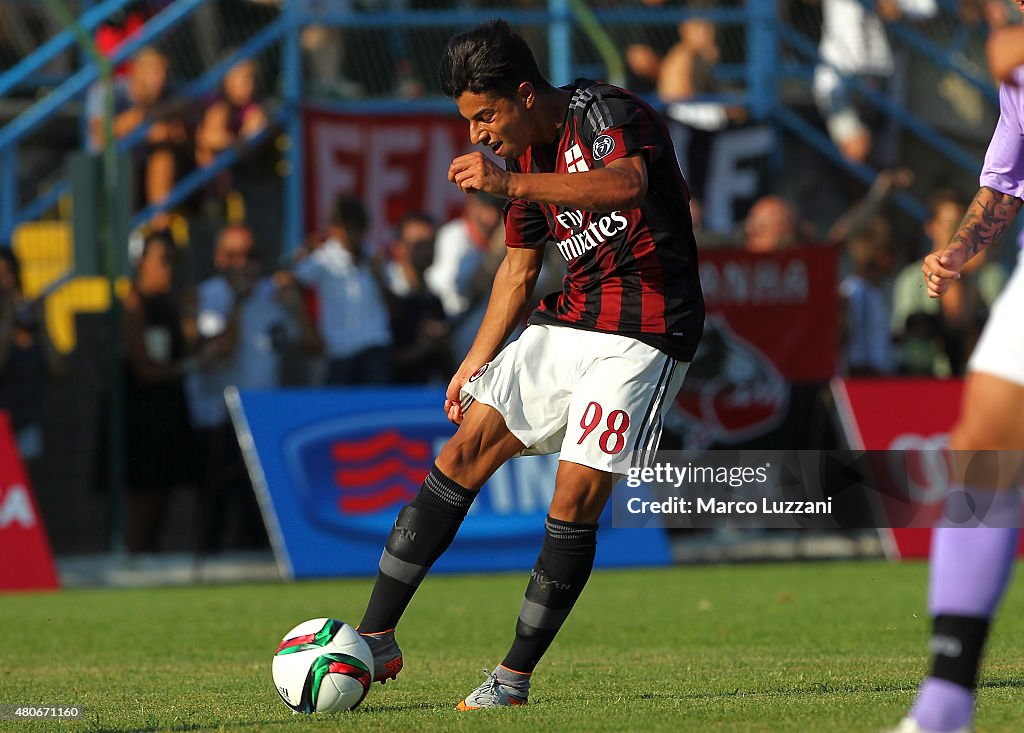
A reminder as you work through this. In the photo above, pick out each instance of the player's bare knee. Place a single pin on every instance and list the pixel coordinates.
(573, 508)
(456, 457)
(476, 451)
(580, 493)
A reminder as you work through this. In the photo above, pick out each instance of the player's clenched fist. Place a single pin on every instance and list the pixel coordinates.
(940, 269)
(476, 172)
(453, 398)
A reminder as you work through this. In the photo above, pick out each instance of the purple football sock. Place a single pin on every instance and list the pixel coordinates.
(942, 706)
(970, 568)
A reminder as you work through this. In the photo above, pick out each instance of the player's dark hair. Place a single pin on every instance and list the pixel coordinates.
(490, 59)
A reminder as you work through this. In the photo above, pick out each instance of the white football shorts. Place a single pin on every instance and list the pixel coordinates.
(1000, 349)
(599, 398)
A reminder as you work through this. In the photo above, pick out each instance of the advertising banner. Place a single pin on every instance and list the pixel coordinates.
(728, 167)
(912, 415)
(395, 164)
(27, 562)
(772, 322)
(332, 467)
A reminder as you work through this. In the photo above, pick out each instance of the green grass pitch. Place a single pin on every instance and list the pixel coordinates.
(812, 647)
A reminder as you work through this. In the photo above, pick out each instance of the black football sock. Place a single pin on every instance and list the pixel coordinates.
(566, 559)
(421, 534)
(957, 643)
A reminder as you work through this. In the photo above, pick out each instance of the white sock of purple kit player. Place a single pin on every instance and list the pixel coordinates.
(970, 569)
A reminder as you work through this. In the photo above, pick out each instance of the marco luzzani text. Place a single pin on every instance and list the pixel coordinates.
(734, 477)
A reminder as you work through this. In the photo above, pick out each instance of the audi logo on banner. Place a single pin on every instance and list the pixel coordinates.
(926, 461)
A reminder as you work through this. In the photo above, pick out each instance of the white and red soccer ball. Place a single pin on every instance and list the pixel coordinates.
(323, 665)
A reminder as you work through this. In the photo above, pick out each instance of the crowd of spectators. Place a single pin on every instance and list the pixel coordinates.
(336, 313)
(180, 134)
(888, 325)
(345, 313)
(355, 315)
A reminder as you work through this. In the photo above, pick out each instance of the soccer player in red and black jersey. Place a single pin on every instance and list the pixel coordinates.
(589, 169)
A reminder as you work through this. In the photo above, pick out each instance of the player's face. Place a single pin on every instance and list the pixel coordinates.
(499, 123)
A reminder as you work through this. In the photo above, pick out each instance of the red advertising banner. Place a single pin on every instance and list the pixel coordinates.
(395, 164)
(784, 303)
(898, 414)
(890, 414)
(772, 321)
(25, 558)
(398, 163)
(908, 415)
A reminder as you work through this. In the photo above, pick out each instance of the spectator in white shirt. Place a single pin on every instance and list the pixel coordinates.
(353, 314)
(242, 320)
(467, 254)
(461, 254)
(854, 44)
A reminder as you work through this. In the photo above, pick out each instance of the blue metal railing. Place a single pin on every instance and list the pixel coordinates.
(203, 85)
(49, 105)
(910, 36)
(293, 231)
(864, 173)
(89, 20)
(942, 144)
(763, 58)
(79, 82)
(208, 82)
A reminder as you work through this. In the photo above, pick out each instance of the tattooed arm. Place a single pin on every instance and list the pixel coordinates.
(986, 219)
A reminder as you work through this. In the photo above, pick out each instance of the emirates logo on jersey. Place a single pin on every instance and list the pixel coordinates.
(603, 145)
(574, 160)
(598, 231)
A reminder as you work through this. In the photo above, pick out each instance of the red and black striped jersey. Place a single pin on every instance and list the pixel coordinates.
(630, 272)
